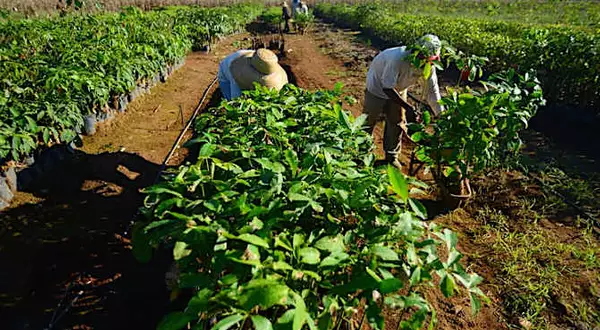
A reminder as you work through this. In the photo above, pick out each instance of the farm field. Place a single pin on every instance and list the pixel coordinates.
(275, 211)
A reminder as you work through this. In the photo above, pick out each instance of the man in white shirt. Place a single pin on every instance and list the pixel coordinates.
(229, 88)
(302, 8)
(388, 79)
(295, 5)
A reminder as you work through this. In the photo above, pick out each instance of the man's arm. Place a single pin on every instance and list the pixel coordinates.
(393, 94)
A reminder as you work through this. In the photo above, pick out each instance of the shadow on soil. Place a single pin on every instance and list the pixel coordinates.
(70, 246)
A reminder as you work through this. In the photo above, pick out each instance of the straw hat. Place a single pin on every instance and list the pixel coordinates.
(261, 67)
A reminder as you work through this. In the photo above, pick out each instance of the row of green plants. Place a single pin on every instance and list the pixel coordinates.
(566, 59)
(284, 222)
(576, 13)
(56, 70)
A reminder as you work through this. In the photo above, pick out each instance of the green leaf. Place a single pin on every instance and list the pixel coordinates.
(199, 303)
(398, 181)
(453, 257)
(385, 253)
(301, 315)
(390, 285)
(427, 70)
(193, 280)
(287, 317)
(207, 150)
(373, 274)
(298, 197)
(309, 255)
(298, 240)
(447, 285)
(253, 239)
(475, 303)
(280, 265)
(46, 135)
(415, 277)
(334, 259)
(331, 243)
(228, 322)
(180, 250)
(418, 208)
(261, 323)
(291, 159)
(426, 118)
(263, 293)
(449, 237)
(175, 321)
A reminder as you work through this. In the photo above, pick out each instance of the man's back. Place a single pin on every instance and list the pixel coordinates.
(384, 70)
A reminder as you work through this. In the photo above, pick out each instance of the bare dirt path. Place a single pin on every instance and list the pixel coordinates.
(63, 239)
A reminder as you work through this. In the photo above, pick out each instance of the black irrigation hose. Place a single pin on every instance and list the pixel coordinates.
(185, 129)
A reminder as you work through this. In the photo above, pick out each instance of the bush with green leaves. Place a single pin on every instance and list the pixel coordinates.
(304, 21)
(284, 222)
(479, 130)
(56, 70)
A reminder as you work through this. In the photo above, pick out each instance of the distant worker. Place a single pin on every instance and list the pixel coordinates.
(295, 6)
(388, 78)
(240, 70)
(286, 15)
(302, 8)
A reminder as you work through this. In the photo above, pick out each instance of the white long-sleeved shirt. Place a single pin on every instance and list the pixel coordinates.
(229, 87)
(389, 69)
(303, 9)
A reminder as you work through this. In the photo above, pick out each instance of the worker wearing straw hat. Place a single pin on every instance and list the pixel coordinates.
(240, 70)
(389, 76)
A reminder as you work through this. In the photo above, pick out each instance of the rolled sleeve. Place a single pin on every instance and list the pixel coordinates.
(433, 93)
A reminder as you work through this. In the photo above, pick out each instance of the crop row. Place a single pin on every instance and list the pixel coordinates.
(567, 59)
(57, 70)
(284, 222)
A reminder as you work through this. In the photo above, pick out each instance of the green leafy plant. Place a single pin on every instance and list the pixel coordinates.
(283, 222)
(304, 22)
(479, 130)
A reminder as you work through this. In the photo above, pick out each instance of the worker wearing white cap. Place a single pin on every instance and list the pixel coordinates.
(240, 70)
(392, 72)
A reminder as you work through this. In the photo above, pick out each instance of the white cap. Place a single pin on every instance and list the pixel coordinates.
(432, 43)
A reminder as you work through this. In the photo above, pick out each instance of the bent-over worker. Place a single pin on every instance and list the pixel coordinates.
(240, 70)
(388, 78)
(302, 8)
(286, 15)
(295, 6)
